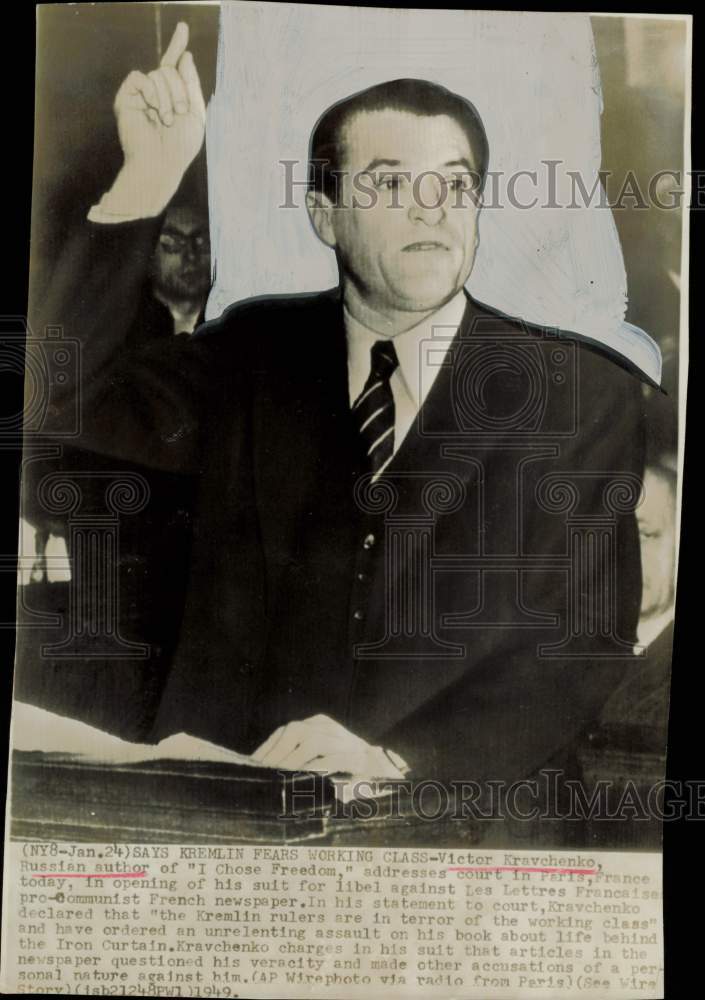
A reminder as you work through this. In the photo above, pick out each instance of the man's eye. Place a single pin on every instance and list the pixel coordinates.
(459, 183)
(389, 182)
(169, 243)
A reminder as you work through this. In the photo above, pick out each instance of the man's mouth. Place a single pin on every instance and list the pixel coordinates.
(424, 245)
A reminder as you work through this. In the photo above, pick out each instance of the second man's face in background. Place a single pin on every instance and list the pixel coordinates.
(181, 269)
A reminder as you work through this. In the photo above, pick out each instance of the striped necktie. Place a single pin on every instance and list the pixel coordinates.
(373, 410)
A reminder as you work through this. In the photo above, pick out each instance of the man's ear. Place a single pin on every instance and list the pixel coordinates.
(320, 211)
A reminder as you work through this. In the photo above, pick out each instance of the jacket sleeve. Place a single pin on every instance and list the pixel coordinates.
(142, 404)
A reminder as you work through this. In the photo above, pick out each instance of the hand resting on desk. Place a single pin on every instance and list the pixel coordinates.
(315, 744)
(319, 743)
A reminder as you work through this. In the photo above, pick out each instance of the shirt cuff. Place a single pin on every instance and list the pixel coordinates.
(135, 194)
(101, 215)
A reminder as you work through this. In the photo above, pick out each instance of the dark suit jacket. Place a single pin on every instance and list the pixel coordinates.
(152, 557)
(427, 614)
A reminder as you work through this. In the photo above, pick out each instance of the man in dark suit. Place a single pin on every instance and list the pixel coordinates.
(414, 527)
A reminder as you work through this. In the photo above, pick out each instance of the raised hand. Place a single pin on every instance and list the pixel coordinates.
(161, 115)
(161, 118)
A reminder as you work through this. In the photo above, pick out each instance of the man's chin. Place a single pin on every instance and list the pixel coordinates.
(186, 290)
(430, 301)
(427, 292)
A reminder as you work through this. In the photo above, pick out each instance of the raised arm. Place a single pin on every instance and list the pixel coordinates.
(143, 404)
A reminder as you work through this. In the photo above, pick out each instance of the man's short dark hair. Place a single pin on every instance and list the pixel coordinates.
(418, 97)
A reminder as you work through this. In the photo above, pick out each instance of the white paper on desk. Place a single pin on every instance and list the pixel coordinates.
(36, 729)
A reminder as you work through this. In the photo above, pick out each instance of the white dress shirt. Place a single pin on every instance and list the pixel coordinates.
(421, 352)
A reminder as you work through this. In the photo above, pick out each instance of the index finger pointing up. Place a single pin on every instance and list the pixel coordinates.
(177, 45)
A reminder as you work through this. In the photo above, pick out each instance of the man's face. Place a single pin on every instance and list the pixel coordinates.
(182, 261)
(655, 517)
(407, 232)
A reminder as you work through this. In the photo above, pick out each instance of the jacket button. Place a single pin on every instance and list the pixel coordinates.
(369, 541)
(362, 577)
(358, 615)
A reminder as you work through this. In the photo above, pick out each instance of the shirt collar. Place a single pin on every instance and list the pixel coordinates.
(649, 629)
(420, 350)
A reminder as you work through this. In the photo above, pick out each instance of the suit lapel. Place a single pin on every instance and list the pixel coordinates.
(304, 440)
(435, 421)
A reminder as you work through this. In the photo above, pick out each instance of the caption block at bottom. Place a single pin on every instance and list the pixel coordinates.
(178, 921)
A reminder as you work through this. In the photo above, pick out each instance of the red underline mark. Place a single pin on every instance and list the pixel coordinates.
(90, 875)
(520, 868)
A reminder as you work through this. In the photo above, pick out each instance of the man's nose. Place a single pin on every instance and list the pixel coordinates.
(190, 251)
(428, 195)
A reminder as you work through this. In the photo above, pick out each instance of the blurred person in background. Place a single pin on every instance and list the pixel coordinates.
(180, 274)
(636, 716)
